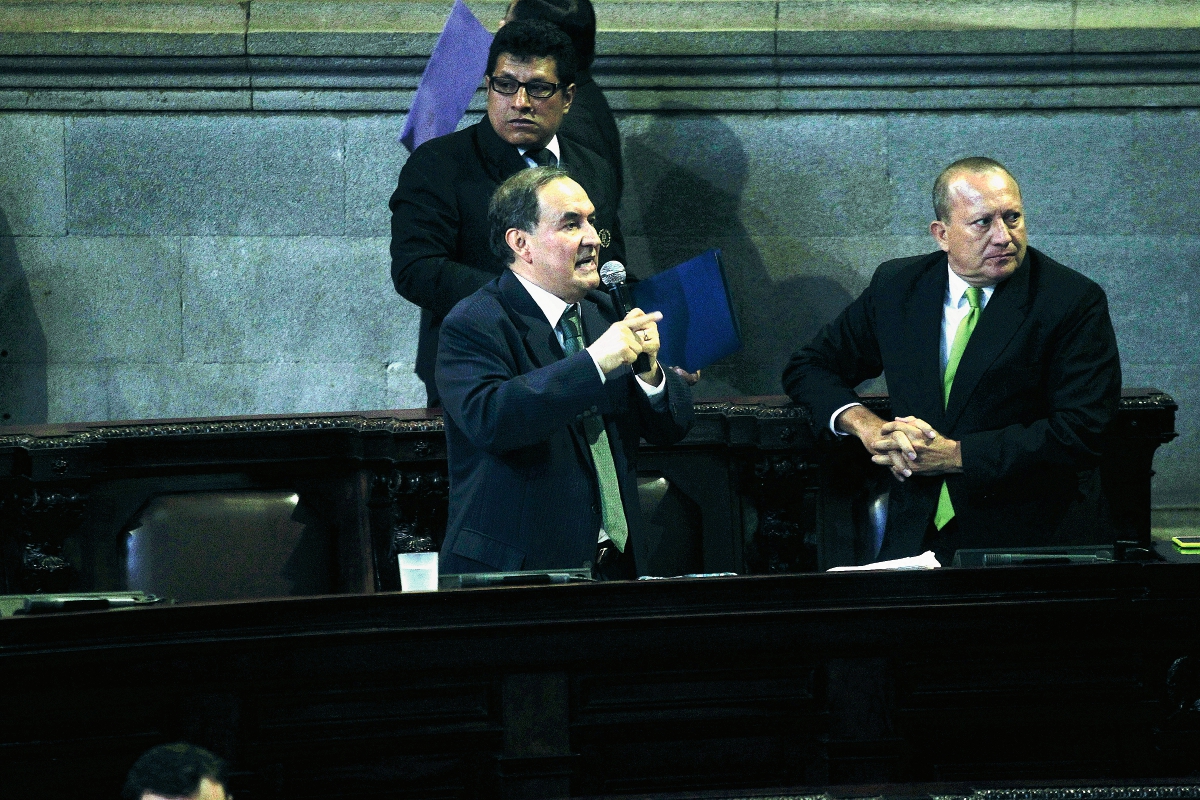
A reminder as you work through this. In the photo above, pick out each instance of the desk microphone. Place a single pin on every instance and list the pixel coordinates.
(612, 275)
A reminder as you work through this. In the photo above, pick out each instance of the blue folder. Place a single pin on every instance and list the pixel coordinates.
(699, 325)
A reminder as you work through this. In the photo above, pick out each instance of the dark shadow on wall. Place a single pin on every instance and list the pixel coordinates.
(22, 341)
(684, 184)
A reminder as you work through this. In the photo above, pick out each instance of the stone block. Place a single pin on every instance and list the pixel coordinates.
(374, 157)
(783, 290)
(354, 27)
(1137, 26)
(1153, 288)
(385, 101)
(293, 300)
(197, 27)
(404, 389)
(104, 299)
(31, 175)
(22, 339)
(157, 100)
(914, 26)
(1073, 167)
(204, 175)
(78, 392)
(700, 27)
(23, 395)
(229, 389)
(1162, 178)
(793, 175)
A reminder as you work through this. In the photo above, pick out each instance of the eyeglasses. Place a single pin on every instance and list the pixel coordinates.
(539, 90)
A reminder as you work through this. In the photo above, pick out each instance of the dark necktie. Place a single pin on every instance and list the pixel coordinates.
(945, 511)
(612, 512)
(543, 157)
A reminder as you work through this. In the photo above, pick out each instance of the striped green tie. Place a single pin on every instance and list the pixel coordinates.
(945, 511)
(612, 512)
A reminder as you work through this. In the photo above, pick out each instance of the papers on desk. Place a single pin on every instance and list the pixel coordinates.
(924, 561)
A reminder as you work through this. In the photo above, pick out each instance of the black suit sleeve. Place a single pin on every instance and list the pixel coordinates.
(843, 354)
(426, 224)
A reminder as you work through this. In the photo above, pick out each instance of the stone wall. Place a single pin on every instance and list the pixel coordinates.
(193, 194)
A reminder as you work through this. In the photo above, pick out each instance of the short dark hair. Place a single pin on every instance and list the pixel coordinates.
(534, 38)
(515, 204)
(575, 18)
(974, 165)
(174, 770)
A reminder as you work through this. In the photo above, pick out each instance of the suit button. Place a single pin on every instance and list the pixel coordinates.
(595, 509)
(595, 409)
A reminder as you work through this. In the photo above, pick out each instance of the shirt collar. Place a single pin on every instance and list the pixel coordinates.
(551, 305)
(552, 146)
(956, 290)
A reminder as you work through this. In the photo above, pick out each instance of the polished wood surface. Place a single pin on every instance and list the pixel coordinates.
(749, 490)
(1029, 674)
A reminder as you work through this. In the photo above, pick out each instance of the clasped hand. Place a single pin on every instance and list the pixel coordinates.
(909, 446)
(625, 340)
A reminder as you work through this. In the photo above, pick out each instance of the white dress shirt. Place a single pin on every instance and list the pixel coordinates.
(552, 146)
(954, 307)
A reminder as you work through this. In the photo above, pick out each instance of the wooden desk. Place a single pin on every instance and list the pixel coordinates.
(747, 491)
(1029, 674)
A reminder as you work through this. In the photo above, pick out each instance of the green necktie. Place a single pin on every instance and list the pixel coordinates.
(945, 511)
(612, 512)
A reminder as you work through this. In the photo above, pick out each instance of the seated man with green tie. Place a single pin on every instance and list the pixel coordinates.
(1002, 368)
(543, 411)
(440, 250)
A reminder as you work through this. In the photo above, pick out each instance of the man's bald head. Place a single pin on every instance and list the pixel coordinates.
(975, 165)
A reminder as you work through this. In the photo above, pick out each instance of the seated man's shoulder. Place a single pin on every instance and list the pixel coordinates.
(909, 266)
(1061, 278)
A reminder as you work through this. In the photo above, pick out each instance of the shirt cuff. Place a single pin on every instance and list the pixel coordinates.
(657, 395)
(834, 416)
(600, 372)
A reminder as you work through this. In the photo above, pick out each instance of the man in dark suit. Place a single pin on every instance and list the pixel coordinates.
(439, 209)
(1002, 368)
(591, 121)
(543, 411)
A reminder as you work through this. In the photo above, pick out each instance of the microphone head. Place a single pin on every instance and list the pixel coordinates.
(612, 273)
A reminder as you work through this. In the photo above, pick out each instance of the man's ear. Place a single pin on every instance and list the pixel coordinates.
(568, 97)
(937, 229)
(518, 240)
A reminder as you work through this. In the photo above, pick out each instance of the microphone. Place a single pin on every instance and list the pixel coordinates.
(612, 275)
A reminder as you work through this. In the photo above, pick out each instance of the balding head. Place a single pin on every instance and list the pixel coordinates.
(975, 165)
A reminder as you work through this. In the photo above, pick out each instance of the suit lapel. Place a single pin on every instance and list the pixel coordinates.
(923, 317)
(540, 341)
(500, 159)
(1002, 317)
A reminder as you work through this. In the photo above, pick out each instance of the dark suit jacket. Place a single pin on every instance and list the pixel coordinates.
(1039, 381)
(440, 237)
(590, 122)
(523, 492)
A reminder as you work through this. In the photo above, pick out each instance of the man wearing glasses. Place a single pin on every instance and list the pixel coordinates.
(440, 250)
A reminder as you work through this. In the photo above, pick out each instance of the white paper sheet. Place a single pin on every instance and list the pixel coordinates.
(924, 561)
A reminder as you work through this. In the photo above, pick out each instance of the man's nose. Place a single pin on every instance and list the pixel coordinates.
(1001, 234)
(590, 235)
(521, 98)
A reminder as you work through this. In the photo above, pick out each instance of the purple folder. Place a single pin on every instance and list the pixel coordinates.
(698, 326)
(450, 79)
